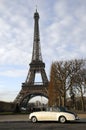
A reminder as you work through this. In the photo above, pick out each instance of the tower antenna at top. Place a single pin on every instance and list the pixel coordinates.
(36, 4)
(36, 8)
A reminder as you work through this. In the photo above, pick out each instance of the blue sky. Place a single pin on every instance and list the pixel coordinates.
(62, 37)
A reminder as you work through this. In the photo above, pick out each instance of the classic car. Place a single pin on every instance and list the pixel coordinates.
(60, 114)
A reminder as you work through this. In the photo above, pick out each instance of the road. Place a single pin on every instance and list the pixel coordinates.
(27, 125)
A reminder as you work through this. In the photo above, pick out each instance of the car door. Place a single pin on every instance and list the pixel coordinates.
(43, 116)
(49, 116)
(53, 116)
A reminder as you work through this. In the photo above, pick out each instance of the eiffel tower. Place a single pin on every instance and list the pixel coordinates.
(30, 88)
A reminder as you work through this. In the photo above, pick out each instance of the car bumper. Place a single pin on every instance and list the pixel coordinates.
(77, 118)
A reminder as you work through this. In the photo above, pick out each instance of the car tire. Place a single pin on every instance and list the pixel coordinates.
(62, 119)
(34, 119)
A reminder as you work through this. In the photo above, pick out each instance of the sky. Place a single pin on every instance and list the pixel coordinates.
(62, 26)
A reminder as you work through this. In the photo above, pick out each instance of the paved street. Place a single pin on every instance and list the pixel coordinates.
(21, 122)
(14, 117)
(24, 117)
(42, 126)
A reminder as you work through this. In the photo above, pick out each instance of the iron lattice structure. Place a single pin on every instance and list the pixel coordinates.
(36, 66)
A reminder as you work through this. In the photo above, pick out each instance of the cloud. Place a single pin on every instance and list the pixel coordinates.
(8, 93)
(65, 23)
(67, 30)
(15, 35)
(13, 73)
(62, 35)
(13, 55)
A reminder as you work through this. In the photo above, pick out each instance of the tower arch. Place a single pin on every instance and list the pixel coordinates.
(27, 98)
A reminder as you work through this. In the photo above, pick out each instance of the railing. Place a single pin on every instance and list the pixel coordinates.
(38, 83)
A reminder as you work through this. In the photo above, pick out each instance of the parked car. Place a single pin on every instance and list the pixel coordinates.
(60, 114)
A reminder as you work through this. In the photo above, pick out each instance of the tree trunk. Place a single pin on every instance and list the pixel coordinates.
(82, 101)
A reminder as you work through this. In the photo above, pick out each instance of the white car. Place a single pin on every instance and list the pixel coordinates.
(53, 114)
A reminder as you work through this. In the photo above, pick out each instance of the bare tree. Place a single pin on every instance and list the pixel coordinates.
(59, 80)
(52, 84)
(80, 81)
(67, 76)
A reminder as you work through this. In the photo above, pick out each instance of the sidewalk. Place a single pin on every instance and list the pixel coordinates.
(82, 115)
(8, 118)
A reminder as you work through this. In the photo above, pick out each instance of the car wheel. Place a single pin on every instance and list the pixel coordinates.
(62, 119)
(34, 119)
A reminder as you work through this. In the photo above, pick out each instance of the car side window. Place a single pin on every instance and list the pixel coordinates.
(51, 109)
(55, 109)
(58, 110)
